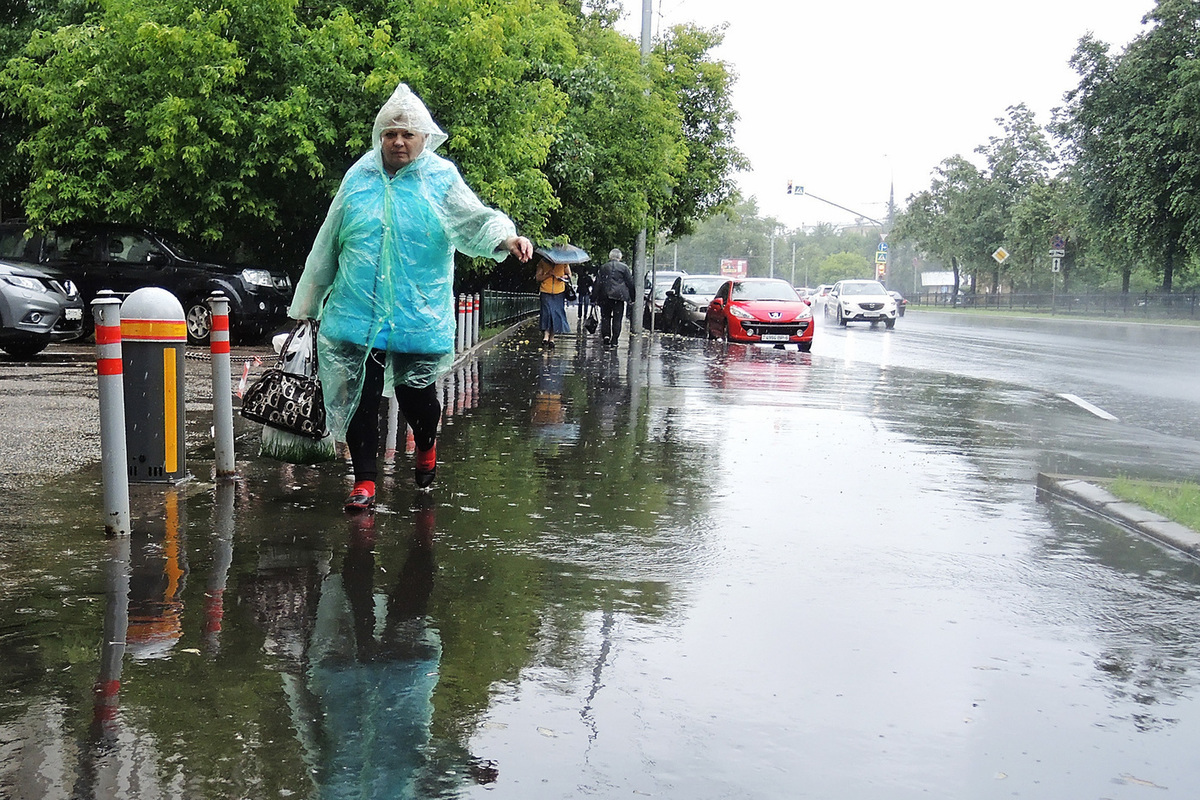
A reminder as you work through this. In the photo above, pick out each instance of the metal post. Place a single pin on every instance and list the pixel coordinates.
(393, 430)
(476, 319)
(222, 386)
(462, 323)
(106, 310)
(639, 252)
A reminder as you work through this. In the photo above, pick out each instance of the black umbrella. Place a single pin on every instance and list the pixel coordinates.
(563, 254)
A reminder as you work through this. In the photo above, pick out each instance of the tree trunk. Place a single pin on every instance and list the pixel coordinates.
(1125, 272)
(1169, 269)
(954, 291)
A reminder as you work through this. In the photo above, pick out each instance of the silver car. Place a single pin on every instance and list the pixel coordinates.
(36, 308)
(686, 302)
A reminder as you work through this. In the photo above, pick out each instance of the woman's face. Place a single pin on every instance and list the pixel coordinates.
(400, 147)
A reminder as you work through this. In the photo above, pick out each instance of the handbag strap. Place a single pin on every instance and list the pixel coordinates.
(311, 325)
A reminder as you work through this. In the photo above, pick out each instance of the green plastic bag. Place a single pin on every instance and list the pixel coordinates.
(293, 448)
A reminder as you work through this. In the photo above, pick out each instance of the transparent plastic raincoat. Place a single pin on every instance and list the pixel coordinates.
(380, 276)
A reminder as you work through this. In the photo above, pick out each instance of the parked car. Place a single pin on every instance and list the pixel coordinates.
(124, 258)
(819, 294)
(37, 307)
(760, 310)
(686, 302)
(861, 301)
(901, 303)
(662, 281)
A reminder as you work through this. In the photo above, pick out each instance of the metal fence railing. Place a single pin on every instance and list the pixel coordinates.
(1145, 305)
(503, 308)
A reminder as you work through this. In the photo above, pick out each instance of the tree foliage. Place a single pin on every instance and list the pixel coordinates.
(700, 89)
(1128, 188)
(234, 120)
(1131, 127)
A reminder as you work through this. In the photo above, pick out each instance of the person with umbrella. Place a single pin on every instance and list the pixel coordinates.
(554, 283)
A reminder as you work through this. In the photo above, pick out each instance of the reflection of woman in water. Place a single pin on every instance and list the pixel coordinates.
(374, 678)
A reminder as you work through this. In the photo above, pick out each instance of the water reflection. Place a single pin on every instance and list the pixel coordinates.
(158, 576)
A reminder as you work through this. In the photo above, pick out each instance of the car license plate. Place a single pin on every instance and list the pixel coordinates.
(870, 315)
(775, 337)
(74, 314)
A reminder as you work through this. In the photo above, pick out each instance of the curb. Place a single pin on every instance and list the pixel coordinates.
(1090, 497)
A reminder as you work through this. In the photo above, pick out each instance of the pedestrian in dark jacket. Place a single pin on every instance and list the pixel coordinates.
(614, 288)
(586, 281)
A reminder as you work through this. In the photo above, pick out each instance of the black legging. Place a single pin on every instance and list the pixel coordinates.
(420, 408)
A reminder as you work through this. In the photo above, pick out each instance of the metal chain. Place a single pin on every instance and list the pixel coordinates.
(197, 355)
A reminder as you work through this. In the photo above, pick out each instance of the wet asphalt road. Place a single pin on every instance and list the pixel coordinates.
(710, 573)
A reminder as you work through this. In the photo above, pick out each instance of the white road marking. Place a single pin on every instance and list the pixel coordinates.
(1086, 406)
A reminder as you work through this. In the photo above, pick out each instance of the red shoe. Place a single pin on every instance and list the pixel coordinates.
(362, 497)
(425, 469)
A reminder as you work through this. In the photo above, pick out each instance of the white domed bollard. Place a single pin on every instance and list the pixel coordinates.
(153, 342)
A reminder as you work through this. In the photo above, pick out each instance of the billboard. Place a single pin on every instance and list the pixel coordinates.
(734, 267)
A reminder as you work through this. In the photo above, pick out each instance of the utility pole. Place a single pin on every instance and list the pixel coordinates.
(772, 252)
(639, 253)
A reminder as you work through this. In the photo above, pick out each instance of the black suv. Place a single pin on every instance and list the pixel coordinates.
(125, 257)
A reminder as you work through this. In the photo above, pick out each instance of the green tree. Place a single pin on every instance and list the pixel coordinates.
(1018, 163)
(165, 115)
(844, 265)
(954, 220)
(700, 88)
(1130, 127)
(620, 146)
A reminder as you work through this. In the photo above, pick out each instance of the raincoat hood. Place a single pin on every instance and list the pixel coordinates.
(405, 110)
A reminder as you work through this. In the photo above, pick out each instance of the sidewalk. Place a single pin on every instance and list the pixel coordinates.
(1090, 497)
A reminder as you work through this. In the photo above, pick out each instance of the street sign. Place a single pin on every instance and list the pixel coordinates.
(1055, 264)
(1000, 255)
(1058, 252)
(1058, 243)
(882, 248)
(881, 257)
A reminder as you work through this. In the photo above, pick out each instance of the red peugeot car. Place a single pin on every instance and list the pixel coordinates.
(756, 310)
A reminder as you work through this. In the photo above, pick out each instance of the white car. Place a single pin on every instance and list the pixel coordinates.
(861, 301)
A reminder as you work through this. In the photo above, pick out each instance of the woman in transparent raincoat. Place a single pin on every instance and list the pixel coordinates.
(380, 279)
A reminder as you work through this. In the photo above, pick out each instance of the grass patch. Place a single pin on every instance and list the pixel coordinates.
(1179, 502)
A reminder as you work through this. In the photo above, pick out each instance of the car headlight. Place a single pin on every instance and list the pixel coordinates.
(25, 283)
(692, 305)
(740, 313)
(257, 277)
(804, 313)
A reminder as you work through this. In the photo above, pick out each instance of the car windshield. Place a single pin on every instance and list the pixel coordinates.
(862, 287)
(193, 250)
(702, 286)
(764, 290)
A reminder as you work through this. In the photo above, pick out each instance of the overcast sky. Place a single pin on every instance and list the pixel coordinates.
(843, 97)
